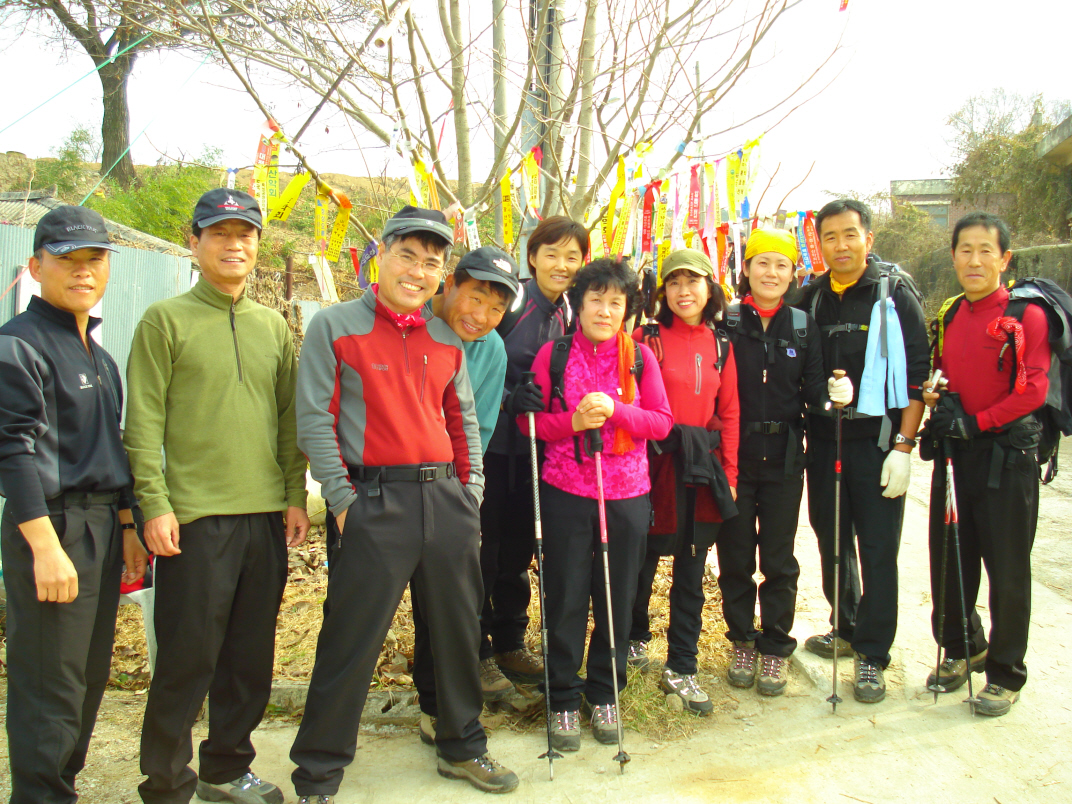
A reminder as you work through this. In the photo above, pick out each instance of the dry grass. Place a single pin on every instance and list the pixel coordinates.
(301, 614)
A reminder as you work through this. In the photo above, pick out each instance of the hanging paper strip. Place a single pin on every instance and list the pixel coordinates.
(258, 180)
(779, 220)
(338, 230)
(612, 204)
(732, 162)
(622, 229)
(844, 5)
(355, 263)
(530, 168)
(681, 204)
(288, 199)
(738, 264)
(424, 175)
(665, 248)
(812, 239)
(658, 227)
(320, 222)
(471, 231)
(802, 244)
(507, 194)
(271, 183)
(370, 269)
(232, 174)
(741, 191)
(711, 190)
(692, 222)
(649, 209)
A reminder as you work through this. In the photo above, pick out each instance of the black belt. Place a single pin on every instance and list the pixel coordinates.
(846, 413)
(424, 473)
(767, 428)
(82, 499)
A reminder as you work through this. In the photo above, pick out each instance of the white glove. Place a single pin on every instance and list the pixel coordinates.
(896, 472)
(839, 391)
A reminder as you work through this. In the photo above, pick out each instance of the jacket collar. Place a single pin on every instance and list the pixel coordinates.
(609, 345)
(542, 302)
(870, 276)
(995, 300)
(204, 291)
(57, 316)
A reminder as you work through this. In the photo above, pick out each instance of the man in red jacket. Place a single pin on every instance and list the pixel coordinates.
(987, 422)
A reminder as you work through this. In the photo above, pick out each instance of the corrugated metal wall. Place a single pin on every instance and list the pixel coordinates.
(138, 279)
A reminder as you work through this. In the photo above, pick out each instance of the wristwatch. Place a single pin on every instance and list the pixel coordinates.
(900, 439)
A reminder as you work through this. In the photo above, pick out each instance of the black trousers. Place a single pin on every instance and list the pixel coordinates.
(58, 654)
(997, 530)
(870, 539)
(573, 573)
(508, 540)
(216, 607)
(768, 499)
(427, 532)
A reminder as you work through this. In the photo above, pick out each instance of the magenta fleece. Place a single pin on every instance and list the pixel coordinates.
(595, 368)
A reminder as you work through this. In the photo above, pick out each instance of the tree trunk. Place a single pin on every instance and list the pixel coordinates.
(116, 161)
(586, 116)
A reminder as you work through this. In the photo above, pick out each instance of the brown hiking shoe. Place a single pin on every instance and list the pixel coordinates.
(742, 672)
(952, 673)
(870, 683)
(773, 675)
(493, 684)
(995, 701)
(521, 665)
(823, 645)
(483, 773)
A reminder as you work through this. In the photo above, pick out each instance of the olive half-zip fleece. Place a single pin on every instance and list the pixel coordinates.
(210, 408)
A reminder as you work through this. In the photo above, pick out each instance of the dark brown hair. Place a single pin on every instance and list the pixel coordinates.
(554, 230)
(715, 307)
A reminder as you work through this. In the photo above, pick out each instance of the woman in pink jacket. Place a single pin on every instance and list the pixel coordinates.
(598, 391)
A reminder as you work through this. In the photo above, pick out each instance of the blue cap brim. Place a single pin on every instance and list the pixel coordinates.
(74, 245)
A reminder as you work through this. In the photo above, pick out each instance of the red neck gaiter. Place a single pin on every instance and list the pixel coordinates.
(762, 313)
(403, 322)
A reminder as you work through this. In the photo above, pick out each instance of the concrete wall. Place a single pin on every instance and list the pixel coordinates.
(935, 277)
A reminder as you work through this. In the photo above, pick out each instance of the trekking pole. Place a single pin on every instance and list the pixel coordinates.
(834, 698)
(953, 523)
(936, 382)
(551, 754)
(595, 442)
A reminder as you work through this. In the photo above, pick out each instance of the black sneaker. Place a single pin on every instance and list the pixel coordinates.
(870, 685)
(483, 773)
(823, 645)
(246, 789)
(952, 673)
(995, 701)
(638, 655)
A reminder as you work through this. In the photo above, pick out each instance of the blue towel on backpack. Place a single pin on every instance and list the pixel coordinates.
(884, 383)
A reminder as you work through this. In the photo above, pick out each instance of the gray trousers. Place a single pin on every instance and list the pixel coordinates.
(58, 654)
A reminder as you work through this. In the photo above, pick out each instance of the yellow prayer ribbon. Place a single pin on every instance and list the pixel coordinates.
(507, 192)
(531, 174)
(732, 164)
(612, 204)
(338, 230)
(289, 198)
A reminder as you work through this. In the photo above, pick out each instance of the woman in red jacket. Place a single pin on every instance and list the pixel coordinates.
(693, 470)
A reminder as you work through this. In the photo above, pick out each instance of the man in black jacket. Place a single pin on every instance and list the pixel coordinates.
(875, 451)
(67, 527)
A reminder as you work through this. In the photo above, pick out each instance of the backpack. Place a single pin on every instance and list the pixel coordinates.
(731, 322)
(560, 350)
(653, 341)
(1055, 415)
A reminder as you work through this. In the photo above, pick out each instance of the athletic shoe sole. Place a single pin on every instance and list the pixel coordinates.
(207, 792)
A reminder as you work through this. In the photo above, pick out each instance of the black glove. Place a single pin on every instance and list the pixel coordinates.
(526, 398)
(714, 440)
(950, 421)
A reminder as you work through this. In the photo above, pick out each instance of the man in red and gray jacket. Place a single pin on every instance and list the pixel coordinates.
(387, 418)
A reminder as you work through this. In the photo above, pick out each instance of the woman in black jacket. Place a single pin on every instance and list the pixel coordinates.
(779, 370)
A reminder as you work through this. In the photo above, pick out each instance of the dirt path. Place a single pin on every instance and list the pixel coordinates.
(790, 749)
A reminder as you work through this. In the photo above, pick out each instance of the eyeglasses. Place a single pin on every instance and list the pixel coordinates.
(409, 263)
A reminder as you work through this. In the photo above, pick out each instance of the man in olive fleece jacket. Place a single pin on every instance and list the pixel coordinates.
(212, 439)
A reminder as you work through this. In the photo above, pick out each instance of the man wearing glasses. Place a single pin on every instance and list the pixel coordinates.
(387, 418)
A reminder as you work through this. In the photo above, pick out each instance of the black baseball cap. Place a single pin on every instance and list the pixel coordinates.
(70, 228)
(224, 205)
(493, 265)
(411, 220)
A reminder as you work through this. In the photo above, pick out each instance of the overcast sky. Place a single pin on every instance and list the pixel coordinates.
(906, 65)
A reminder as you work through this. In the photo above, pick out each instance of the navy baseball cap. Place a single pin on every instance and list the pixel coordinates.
(493, 265)
(223, 205)
(70, 228)
(411, 220)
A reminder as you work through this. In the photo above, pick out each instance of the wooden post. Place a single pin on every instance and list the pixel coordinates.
(290, 278)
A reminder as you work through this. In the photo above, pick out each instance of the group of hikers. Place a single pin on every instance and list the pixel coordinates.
(418, 408)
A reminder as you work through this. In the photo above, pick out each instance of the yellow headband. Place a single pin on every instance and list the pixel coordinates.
(780, 241)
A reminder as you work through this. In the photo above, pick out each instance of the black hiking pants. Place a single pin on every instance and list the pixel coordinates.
(216, 607)
(997, 531)
(768, 503)
(573, 574)
(870, 539)
(508, 540)
(428, 532)
(58, 654)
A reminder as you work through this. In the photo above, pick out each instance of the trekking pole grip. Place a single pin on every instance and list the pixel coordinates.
(838, 374)
(593, 441)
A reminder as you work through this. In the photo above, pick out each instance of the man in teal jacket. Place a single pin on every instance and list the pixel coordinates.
(212, 439)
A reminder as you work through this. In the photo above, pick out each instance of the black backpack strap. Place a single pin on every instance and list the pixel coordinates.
(800, 326)
(722, 341)
(638, 364)
(560, 350)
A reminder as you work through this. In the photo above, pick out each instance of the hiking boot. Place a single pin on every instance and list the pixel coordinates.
(823, 645)
(483, 773)
(685, 688)
(995, 701)
(493, 684)
(773, 675)
(605, 723)
(870, 686)
(566, 731)
(427, 729)
(638, 655)
(742, 672)
(246, 789)
(952, 673)
(321, 799)
(521, 665)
